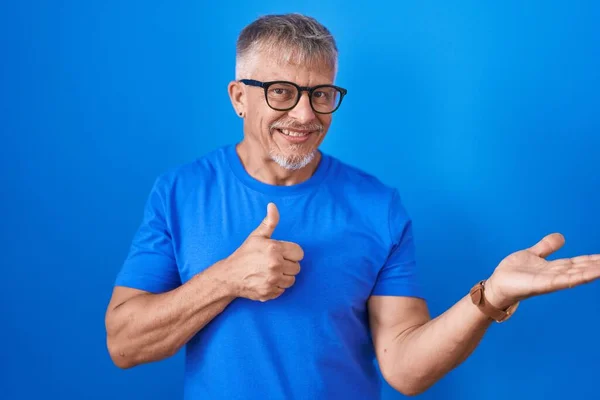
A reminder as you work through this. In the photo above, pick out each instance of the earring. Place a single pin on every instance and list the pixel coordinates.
(240, 113)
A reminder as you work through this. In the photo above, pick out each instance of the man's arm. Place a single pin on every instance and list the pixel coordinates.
(142, 327)
(414, 351)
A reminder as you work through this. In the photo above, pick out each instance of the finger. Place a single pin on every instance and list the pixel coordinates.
(286, 281)
(291, 251)
(568, 265)
(565, 276)
(590, 273)
(269, 223)
(278, 292)
(548, 245)
(275, 294)
(586, 258)
(290, 267)
(590, 268)
(571, 264)
(581, 275)
(576, 275)
(584, 275)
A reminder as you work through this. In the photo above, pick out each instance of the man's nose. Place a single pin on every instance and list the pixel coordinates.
(303, 112)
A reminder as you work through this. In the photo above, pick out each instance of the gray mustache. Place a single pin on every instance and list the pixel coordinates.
(312, 127)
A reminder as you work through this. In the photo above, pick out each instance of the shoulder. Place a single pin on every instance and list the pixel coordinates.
(378, 203)
(353, 180)
(203, 169)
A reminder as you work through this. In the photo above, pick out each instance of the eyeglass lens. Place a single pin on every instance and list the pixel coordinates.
(283, 96)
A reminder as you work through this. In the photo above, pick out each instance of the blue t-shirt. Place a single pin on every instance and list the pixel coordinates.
(313, 342)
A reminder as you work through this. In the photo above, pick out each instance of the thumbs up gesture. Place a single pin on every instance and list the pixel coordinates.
(263, 268)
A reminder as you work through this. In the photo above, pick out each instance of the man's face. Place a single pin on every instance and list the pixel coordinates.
(292, 137)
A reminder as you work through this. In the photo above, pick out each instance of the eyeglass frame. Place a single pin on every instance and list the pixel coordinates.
(310, 90)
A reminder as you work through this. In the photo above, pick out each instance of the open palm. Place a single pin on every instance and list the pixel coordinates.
(526, 273)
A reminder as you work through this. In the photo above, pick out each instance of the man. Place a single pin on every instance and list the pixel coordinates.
(286, 272)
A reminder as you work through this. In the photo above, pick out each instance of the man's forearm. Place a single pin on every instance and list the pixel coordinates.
(422, 355)
(151, 327)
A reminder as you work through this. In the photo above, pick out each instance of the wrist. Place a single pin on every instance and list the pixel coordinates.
(487, 298)
(494, 298)
(221, 272)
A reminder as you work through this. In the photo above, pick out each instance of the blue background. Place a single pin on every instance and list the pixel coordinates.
(485, 116)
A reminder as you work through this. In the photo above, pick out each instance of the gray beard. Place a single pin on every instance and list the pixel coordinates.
(293, 162)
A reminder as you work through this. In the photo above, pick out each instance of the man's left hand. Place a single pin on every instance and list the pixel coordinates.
(526, 273)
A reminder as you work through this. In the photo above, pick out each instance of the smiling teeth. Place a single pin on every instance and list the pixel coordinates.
(292, 133)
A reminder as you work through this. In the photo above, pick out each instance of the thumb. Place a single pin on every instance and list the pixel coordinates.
(548, 245)
(269, 223)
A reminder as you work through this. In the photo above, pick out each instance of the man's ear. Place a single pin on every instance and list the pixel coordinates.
(237, 95)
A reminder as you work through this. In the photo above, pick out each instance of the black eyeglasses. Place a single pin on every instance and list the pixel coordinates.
(283, 95)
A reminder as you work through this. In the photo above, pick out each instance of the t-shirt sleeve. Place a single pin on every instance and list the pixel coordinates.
(150, 264)
(398, 276)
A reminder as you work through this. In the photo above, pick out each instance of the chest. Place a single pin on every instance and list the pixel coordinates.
(342, 254)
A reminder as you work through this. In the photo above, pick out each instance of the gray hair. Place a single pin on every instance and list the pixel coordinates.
(290, 38)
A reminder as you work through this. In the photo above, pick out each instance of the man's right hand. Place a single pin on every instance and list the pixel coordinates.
(262, 268)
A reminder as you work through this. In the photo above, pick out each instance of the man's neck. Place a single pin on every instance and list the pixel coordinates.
(262, 168)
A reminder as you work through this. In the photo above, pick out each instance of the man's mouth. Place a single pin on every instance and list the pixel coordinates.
(294, 133)
(294, 136)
